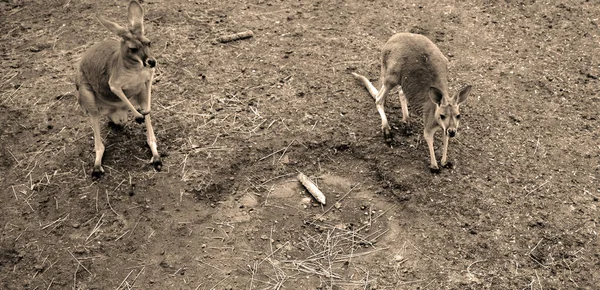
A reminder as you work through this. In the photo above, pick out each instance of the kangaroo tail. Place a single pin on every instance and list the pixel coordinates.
(372, 90)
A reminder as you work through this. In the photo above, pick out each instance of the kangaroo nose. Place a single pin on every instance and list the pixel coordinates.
(151, 62)
(451, 133)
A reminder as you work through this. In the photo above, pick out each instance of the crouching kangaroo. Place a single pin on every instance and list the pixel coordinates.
(414, 63)
(115, 77)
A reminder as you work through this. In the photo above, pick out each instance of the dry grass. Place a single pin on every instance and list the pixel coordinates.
(236, 118)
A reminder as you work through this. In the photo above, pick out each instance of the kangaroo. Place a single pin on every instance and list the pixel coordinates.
(115, 77)
(416, 64)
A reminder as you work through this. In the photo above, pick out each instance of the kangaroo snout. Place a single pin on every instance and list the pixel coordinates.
(151, 62)
(451, 132)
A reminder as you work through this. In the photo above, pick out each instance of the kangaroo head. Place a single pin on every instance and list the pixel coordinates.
(447, 113)
(135, 47)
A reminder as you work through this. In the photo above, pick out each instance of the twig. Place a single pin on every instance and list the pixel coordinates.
(136, 276)
(58, 220)
(21, 234)
(339, 200)
(108, 201)
(13, 156)
(538, 279)
(77, 260)
(540, 186)
(215, 286)
(119, 287)
(136, 223)
(96, 228)
(276, 177)
(49, 285)
(531, 251)
(469, 267)
(119, 185)
(273, 253)
(271, 240)
(286, 148)
(271, 154)
(121, 235)
(235, 36)
(311, 188)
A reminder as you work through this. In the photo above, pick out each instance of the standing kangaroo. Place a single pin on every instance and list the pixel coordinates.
(417, 65)
(115, 77)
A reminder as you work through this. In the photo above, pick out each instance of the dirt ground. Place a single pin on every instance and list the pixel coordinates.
(237, 121)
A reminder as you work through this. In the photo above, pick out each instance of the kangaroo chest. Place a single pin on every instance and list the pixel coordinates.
(133, 81)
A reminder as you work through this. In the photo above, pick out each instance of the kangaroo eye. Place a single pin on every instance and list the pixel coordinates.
(443, 117)
(458, 116)
(134, 49)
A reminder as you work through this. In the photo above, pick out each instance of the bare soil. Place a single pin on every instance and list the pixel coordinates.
(237, 121)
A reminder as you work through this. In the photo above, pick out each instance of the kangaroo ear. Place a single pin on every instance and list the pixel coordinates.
(113, 27)
(463, 94)
(135, 14)
(436, 95)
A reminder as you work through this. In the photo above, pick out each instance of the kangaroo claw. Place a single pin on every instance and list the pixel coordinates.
(97, 172)
(448, 165)
(157, 164)
(140, 119)
(434, 170)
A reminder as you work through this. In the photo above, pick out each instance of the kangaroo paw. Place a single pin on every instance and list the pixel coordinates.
(434, 170)
(448, 165)
(140, 119)
(388, 137)
(97, 172)
(156, 163)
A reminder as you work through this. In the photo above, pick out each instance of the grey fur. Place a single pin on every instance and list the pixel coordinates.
(114, 78)
(416, 64)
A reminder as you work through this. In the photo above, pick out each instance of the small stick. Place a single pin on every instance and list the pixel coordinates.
(312, 188)
(326, 211)
(108, 201)
(215, 286)
(56, 221)
(540, 186)
(121, 235)
(51, 281)
(119, 185)
(271, 154)
(75, 276)
(538, 279)
(135, 226)
(286, 148)
(13, 156)
(21, 234)
(79, 263)
(95, 229)
(469, 267)
(27, 202)
(235, 36)
(124, 280)
(535, 246)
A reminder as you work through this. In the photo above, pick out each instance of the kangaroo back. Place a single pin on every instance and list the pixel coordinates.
(115, 77)
(416, 64)
(96, 66)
